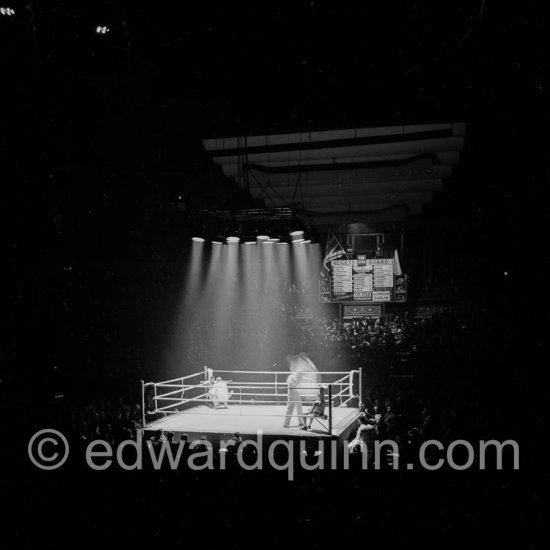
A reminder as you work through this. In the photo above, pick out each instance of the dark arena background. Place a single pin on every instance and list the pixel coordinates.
(215, 214)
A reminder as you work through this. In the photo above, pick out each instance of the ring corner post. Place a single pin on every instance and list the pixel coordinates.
(330, 409)
(360, 404)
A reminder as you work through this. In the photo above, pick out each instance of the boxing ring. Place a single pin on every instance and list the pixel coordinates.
(252, 401)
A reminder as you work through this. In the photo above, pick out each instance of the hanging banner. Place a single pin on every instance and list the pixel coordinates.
(360, 311)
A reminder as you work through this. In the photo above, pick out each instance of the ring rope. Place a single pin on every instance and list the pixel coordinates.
(242, 393)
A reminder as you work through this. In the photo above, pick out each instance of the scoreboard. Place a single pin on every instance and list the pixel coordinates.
(365, 280)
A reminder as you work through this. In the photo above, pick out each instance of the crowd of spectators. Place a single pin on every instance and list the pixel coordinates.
(427, 378)
(451, 340)
(410, 415)
(112, 421)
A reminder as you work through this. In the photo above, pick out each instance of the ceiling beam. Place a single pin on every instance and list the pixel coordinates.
(351, 188)
(352, 151)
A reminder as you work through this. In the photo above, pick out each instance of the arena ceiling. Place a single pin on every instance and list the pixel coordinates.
(377, 174)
